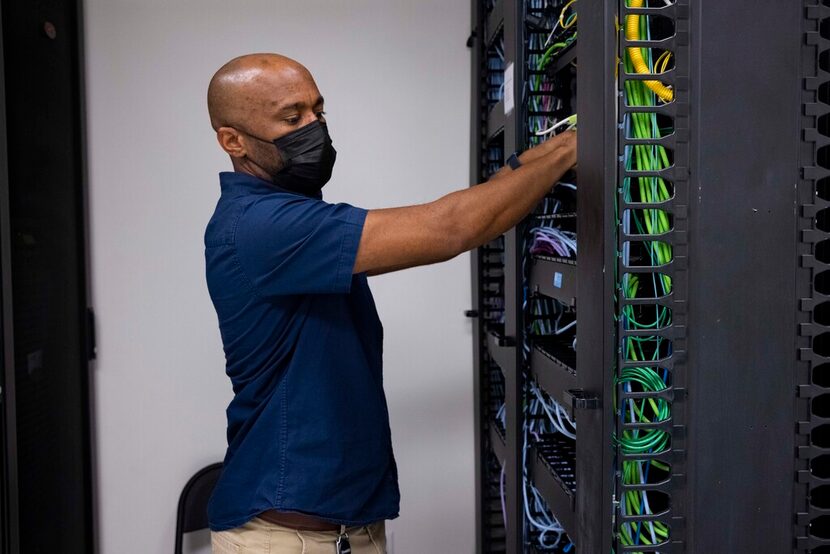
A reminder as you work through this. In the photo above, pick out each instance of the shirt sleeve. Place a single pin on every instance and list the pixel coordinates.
(290, 244)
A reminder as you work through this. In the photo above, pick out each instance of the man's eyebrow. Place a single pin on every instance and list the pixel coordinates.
(297, 106)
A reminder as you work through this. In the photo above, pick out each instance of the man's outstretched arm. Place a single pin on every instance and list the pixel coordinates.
(398, 238)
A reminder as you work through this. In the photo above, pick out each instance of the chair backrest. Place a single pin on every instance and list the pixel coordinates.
(192, 512)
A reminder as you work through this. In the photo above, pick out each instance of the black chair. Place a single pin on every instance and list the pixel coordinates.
(192, 513)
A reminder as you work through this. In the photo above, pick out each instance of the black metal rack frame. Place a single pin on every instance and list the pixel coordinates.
(812, 524)
(745, 348)
(500, 344)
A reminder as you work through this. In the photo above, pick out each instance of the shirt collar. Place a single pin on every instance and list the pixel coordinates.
(236, 182)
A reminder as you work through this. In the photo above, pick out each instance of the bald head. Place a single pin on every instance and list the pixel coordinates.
(249, 87)
(255, 99)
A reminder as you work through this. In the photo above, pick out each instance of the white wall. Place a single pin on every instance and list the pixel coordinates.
(395, 74)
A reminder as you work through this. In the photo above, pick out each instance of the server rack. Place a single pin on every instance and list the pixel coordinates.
(702, 198)
(46, 339)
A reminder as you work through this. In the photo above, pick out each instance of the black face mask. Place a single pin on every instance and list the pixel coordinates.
(309, 159)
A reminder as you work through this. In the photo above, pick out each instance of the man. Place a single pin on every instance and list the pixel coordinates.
(309, 465)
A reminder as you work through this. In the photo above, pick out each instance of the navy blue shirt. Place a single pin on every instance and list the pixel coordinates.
(308, 427)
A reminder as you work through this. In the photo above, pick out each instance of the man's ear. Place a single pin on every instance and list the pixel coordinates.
(231, 142)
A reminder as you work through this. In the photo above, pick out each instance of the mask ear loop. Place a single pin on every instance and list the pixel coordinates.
(285, 163)
(245, 132)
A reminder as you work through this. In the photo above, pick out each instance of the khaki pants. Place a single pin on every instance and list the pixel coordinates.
(262, 537)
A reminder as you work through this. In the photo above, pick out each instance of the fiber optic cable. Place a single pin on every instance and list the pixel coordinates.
(554, 49)
(632, 33)
(572, 20)
(570, 121)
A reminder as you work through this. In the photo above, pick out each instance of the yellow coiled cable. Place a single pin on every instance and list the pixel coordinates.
(632, 32)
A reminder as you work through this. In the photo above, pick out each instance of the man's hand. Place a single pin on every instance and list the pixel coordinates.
(531, 154)
(399, 238)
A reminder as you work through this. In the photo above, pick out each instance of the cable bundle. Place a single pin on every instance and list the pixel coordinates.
(543, 416)
(550, 206)
(638, 59)
(545, 317)
(553, 241)
(494, 160)
(564, 23)
(550, 317)
(556, 419)
(495, 71)
(652, 254)
(542, 104)
(548, 238)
